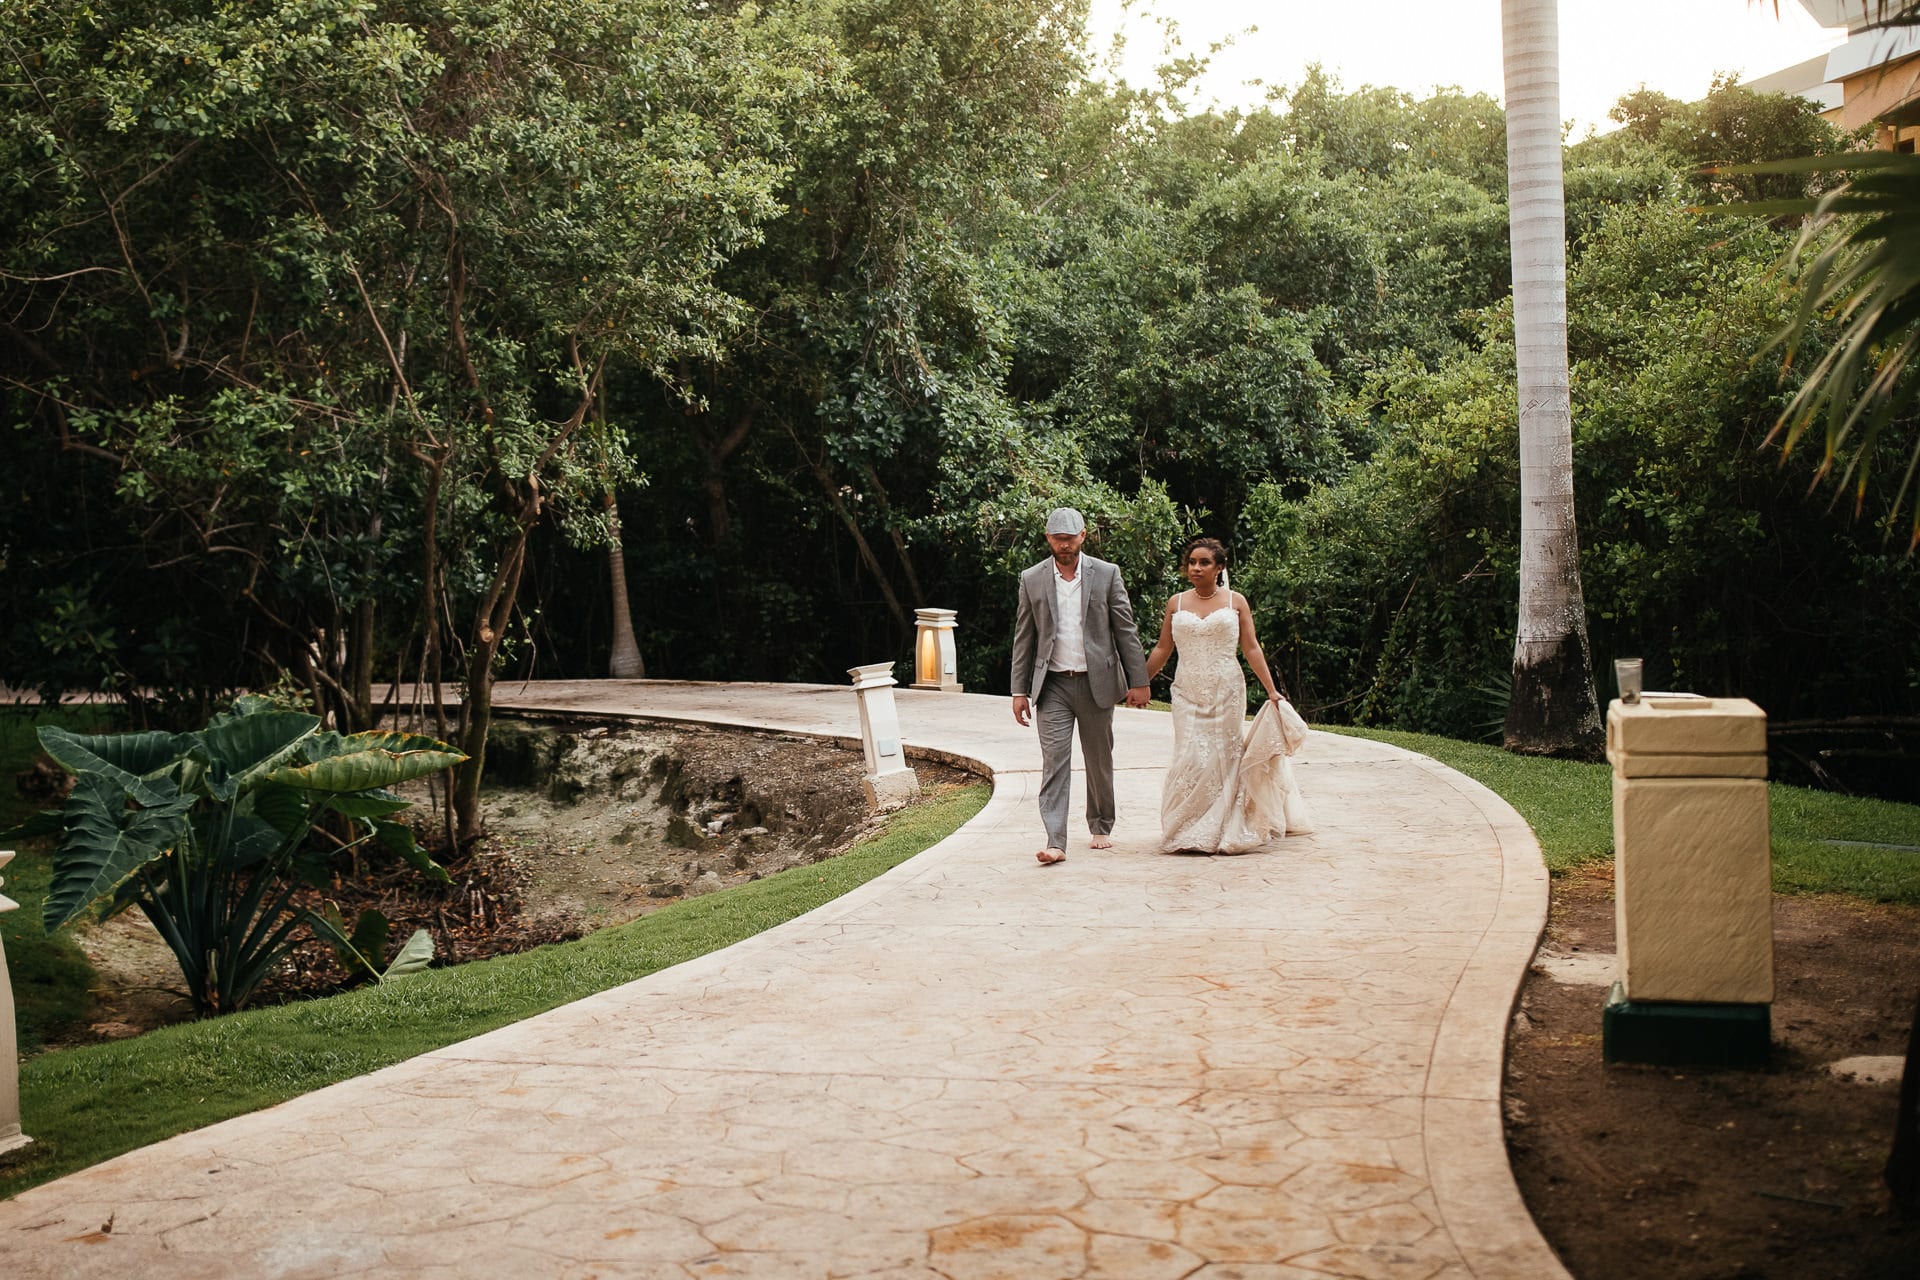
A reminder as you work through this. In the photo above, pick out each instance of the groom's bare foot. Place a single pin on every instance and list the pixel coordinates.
(1100, 841)
(1050, 855)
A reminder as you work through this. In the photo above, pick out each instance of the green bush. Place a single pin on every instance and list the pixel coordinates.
(208, 834)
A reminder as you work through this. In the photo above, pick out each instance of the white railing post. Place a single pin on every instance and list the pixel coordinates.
(10, 1135)
(890, 780)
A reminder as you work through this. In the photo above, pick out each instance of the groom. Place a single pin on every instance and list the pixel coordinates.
(1075, 654)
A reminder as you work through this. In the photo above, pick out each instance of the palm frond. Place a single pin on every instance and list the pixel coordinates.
(1863, 279)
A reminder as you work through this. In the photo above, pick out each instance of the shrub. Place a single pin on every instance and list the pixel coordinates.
(209, 834)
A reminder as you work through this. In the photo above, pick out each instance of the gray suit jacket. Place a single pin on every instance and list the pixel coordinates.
(1114, 660)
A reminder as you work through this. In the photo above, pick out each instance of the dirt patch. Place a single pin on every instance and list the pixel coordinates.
(589, 826)
(609, 823)
(136, 981)
(1634, 1171)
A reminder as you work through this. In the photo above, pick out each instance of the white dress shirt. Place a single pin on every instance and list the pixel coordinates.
(1069, 630)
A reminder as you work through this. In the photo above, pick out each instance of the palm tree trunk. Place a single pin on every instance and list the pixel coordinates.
(1552, 710)
(624, 663)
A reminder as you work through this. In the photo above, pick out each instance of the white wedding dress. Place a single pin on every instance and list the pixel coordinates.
(1227, 790)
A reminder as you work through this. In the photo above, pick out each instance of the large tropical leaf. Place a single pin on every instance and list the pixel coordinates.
(44, 823)
(1864, 277)
(329, 744)
(128, 758)
(369, 804)
(244, 749)
(285, 807)
(105, 842)
(366, 761)
(246, 704)
(360, 950)
(251, 840)
(415, 955)
(398, 837)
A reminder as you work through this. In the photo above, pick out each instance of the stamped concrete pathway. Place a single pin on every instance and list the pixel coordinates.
(1284, 1066)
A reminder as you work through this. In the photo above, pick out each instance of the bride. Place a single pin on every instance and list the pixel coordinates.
(1223, 793)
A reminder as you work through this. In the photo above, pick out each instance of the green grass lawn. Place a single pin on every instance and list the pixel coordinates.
(51, 976)
(1570, 807)
(84, 1105)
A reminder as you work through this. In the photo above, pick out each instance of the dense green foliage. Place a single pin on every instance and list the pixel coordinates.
(344, 328)
(85, 1105)
(1863, 238)
(1699, 549)
(310, 304)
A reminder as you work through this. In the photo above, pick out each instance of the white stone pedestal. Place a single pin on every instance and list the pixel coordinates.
(890, 781)
(10, 1135)
(1692, 861)
(1692, 876)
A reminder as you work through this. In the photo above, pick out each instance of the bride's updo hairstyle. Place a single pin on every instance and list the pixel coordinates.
(1213, 545)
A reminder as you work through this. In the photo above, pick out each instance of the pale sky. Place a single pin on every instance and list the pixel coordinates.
(1607, 47)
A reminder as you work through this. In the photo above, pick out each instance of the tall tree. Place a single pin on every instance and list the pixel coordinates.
(278, 265)
(1552, 709)
(624, 663)
(875, 299)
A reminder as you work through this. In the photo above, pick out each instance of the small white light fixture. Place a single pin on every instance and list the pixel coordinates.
(933, 661)
(10, 1135)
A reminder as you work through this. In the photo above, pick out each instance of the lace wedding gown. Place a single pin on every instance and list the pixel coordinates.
(1224, 792)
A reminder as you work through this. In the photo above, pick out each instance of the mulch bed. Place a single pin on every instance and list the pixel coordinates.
(1633, 1172)
(479, 914)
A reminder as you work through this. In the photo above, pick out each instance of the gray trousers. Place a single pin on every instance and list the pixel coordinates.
(1066, 701)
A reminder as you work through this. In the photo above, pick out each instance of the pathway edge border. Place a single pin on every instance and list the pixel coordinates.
(1479, 1199)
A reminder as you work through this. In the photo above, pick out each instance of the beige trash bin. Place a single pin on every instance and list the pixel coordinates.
(1693, 896)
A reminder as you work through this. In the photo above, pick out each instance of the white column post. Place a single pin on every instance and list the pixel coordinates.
(933, 661)
(10, 1135)
(890, 781)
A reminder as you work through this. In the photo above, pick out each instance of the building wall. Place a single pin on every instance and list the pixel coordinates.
(1879, 72)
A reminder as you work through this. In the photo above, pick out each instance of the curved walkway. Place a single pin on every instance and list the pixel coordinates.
(1284, 1066)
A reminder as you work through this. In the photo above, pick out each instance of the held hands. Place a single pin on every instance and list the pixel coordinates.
(1023, 710)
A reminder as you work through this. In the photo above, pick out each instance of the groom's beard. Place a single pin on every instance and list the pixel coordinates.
(1066, 561)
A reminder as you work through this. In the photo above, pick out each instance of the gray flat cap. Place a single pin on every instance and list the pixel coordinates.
(1065, 520)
